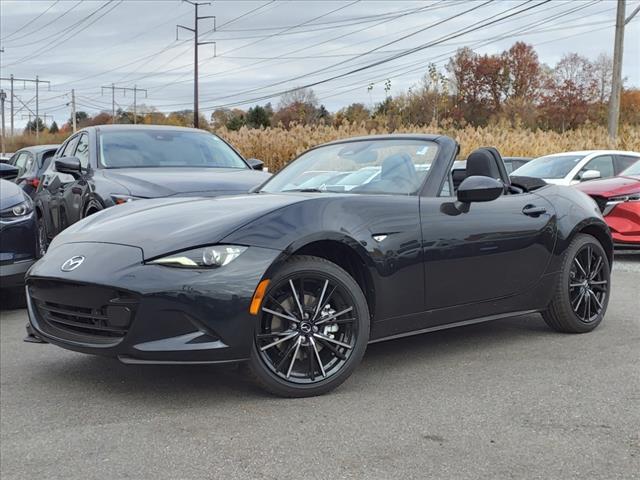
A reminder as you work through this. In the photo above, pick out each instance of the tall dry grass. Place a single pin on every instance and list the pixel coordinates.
(277, 146)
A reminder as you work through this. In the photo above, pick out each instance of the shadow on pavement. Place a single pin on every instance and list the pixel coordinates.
(192, 383)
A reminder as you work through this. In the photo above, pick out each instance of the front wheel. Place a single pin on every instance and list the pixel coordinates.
(583, 289)
(43, 237)
(313, 329)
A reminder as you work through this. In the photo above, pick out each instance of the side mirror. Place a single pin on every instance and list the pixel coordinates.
(8, 172)
(255, 164)
(479, 189)
(70, 165)
(589, 175)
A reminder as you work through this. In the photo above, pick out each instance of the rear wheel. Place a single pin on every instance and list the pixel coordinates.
(582, 293)
(313, 329)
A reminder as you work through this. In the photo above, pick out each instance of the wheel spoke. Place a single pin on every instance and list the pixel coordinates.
(577, 262)
(281, 315)
(295, 354)
(596, 268)
(596, 299)
(333, 349)
(284, 309)
(324, 289)
(332, 340)
(315, 349)
(574, 285)
(279, 341)
(588, 305)
(310, 357)
(340, 321)
(599, 282)
(335, 315)
(295, 295)
(286, 354)
(578, 302)
(264, 336)
(588, 260)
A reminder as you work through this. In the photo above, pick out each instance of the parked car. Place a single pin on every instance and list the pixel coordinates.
(513, 163)
(4, 158)
(298, 283)
(571, 168)
(31, 163)
(18, 231)
(103, 166)
(619, 201)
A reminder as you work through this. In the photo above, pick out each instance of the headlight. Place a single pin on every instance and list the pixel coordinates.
(17, 212)
(613, 201)
(204, 257)
(120, 199)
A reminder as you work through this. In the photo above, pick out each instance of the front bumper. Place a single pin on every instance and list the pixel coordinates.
(115, 305)
(12, 274)
(624, 222)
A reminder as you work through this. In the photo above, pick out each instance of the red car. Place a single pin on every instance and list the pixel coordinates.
(619, 200)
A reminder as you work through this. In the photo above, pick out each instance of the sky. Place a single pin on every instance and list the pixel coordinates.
(265, 47)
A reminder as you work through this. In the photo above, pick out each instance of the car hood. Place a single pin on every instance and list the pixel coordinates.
(167, 181)
(611, 187)
(10, 194)
(161, 226)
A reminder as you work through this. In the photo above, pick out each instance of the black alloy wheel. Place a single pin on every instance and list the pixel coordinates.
(313, 329)
(43, 240)
(588, 284)
(582, 292)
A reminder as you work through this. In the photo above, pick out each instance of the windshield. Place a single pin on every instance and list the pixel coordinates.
(554, 166)
(165, 148)
(632, 170)
(376, 166)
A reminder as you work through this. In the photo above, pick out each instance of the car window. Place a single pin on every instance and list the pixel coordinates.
(393, 166)
(165, 148)
(552, 166)
(45, 158)
(82, 151)
(624, 161)
(69, 147)
(602, 163)
(23, 161)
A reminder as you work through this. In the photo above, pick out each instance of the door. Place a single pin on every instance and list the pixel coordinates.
(74, 193)
(489, 251)
(54, 184)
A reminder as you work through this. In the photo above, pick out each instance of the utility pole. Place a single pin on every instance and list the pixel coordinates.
(196, 44)
(11, 79)
(124, 90)
(73, 109)
(3, 96)
(616, 80)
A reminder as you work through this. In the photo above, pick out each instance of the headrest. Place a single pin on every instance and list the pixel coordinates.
(398, 165)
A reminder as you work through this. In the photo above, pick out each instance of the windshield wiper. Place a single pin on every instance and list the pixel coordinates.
(304, 190)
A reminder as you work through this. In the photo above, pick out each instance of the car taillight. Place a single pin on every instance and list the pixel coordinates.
(34, 182)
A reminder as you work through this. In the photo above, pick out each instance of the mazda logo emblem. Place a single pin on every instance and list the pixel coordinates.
(72, 263)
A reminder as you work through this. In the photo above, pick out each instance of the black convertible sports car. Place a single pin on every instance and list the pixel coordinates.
(103, 166)
(297, 281)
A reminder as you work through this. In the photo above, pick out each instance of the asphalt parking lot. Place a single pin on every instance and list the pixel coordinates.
(508, 399)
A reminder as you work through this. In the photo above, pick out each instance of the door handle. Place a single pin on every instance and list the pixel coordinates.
(533, 210)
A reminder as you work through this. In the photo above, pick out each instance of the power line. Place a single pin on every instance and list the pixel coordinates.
(30, 21)
(69, 30)
(464, 31)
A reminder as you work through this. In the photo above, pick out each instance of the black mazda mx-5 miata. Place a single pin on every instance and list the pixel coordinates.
(297, 280)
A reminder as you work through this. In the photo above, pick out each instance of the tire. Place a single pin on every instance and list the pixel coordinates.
(94, 206)
(43, 237)
(582, 293)
(320, 349)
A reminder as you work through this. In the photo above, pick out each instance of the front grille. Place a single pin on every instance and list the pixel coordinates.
(82, 313)
(92, 321)
(601, 201)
